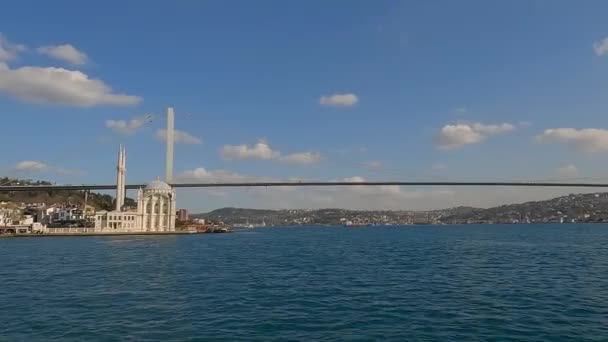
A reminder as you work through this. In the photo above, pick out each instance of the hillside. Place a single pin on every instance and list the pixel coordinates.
(99, 201)
(571, 208)
(579, 207)
(332, 216)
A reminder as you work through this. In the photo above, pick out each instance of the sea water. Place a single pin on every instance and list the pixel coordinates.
(442, 283)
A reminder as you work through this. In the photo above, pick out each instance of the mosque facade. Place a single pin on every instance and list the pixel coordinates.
(156, 210)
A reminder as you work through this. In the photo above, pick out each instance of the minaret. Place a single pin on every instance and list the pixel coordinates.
(170, 137)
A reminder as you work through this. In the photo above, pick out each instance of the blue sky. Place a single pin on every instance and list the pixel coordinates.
(425, 90)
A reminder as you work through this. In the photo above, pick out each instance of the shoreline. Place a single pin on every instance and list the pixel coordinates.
(98, 234)
(283, 227)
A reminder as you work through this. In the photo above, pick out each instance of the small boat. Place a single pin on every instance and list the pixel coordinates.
(219, 229)
(356, 224)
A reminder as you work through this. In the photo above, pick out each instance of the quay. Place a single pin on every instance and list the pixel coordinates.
(95, 234)
(25, 235)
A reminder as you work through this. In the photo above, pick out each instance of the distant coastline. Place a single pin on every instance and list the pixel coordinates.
(574, 208)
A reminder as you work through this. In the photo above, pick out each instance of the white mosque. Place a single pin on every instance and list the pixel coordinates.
(155, 203)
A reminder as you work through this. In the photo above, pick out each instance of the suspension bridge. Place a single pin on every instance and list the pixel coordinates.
(89, 187)
(170, 132)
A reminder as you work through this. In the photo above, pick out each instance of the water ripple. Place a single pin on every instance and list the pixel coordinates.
(472, 283)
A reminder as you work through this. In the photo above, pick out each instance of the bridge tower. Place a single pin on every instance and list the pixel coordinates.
(120, 178)
(170, 141)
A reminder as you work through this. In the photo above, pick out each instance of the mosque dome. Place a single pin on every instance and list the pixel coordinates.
(157, 184)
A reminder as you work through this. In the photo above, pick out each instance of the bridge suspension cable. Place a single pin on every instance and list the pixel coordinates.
(307, 184)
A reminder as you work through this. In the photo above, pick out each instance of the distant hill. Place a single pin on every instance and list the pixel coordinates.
(575, 207)
(331, 216)
(99, 201)
(579, 207)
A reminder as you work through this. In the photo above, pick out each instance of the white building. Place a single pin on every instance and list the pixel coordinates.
(70, 214)
(27, 220)
(155, 203)
(156, 207)
(116, 221)
(6, 217)
(155, 212)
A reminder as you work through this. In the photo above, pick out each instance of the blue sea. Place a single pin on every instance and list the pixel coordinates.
(447, 283)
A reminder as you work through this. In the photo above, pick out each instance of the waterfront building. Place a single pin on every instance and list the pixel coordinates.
(6, 217)
(116, 221)
(58, 213)
(27, 220)
(71, 213)
(156, 209)
(182, 215)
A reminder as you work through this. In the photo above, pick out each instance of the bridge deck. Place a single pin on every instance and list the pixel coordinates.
(275, 184)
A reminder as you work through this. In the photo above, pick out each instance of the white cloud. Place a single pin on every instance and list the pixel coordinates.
(180, 137)
(438, 167)
(352, 197)
(567, 171)
(355, 197)
(394, 190)
(65, 52)
(202, 175)
(361, 197)
(217, 176)
(493, 129)
(261, 150)
(38, 166)
(601, 48)
(127, 126)
(9, 50)
(354, 179)
(374, 165)
(51, 85)
(31, 165)
(302, 158)
(339, 100)
(587, 140)
(455, 136)
(59, 86)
